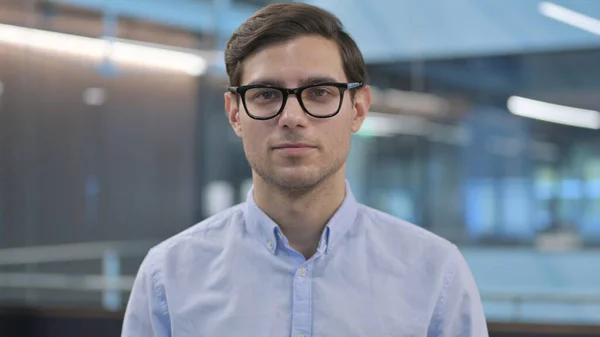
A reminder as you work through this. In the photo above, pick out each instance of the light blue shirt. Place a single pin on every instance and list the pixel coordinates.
(235, 274)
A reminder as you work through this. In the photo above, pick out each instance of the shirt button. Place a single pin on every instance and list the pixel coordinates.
(302, 273)
(270, 245)
(299, 335)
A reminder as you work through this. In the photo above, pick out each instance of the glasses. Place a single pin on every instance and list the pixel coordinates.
(321, 100)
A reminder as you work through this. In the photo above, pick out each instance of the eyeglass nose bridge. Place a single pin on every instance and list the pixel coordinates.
(296, 92)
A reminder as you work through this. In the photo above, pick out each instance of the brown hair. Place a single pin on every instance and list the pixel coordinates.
(286, 21)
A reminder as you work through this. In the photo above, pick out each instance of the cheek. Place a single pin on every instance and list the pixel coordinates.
(254, 136)
(338, 135)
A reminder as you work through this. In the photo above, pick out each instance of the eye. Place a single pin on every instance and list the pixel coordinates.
(266, 94)
(323, 93)
(320, 92)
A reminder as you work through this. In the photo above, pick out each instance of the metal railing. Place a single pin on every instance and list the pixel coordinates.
(113, 284)
(73, 252)
(518, 301)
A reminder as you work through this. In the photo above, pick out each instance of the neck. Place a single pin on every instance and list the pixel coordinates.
(301, 215)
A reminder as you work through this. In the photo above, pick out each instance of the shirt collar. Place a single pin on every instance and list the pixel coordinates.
(270, 235)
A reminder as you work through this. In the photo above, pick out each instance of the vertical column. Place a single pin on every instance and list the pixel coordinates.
(111, 270)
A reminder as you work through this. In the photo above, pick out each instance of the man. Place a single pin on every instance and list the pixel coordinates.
(301, 257)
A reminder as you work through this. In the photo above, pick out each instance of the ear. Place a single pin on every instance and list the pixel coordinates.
(233, 112)
(362, 103)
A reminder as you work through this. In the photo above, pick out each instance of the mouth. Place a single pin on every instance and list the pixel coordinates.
(293, 148)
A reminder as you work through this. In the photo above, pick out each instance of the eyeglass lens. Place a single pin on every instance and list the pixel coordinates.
(319, 101)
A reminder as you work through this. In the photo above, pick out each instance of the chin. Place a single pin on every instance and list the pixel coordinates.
(299, 175)
(296, 178)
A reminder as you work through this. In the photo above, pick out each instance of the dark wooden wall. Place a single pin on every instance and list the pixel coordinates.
(72, 172)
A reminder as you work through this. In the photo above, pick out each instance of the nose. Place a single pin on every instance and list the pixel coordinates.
(293, 115)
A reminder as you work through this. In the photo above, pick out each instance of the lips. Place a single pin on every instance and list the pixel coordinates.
(293, 146)
(294, 149)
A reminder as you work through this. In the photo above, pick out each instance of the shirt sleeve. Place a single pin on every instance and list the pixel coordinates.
(459, 311)
(147, 314)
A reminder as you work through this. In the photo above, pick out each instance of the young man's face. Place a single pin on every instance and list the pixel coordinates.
(294, 150)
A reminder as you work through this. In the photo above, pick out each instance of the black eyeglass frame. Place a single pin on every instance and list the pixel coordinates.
(241, 91)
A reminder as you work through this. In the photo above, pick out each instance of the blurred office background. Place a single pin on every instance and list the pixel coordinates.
(484, 129)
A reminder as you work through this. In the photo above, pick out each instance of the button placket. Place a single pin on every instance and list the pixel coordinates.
(302, 299)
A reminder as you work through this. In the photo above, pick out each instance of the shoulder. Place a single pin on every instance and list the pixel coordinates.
(207, 235)
(413, 244)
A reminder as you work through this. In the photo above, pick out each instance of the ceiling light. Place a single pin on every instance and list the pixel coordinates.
(570, 17)
(554, 113)
(100, 49)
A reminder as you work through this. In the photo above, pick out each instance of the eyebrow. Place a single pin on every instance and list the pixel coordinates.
(317, 79)
(306, 81)
(267, 81)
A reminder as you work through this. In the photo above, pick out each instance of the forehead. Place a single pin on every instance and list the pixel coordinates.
(293, 61)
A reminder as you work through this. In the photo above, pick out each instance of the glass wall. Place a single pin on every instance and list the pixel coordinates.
(480, 174)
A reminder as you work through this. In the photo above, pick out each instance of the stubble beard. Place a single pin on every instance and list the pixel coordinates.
(303, 180)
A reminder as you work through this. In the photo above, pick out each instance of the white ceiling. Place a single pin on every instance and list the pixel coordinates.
(392, 30)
